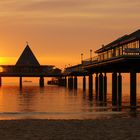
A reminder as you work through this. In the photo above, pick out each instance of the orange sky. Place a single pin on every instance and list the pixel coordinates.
(58, 31)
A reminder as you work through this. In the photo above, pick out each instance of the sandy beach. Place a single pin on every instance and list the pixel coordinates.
(107, 129)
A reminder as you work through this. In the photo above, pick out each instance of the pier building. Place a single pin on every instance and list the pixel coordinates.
(120, 56)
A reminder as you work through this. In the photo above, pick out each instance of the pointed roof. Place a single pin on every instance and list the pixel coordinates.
(27, 58)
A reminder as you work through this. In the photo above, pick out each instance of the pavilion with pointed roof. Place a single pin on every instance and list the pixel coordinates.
(27, 58)
(28, 66)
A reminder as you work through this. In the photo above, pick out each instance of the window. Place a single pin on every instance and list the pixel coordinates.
(109, 53)
(105, 55)
(121, 50)
(117, 51)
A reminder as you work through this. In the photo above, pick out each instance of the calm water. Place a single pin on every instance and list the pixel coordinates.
(53, 102)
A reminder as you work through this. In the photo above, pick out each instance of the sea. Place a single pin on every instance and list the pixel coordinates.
(55, 102)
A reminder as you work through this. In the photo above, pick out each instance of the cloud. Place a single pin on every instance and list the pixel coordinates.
(67, 12)
(42, 9)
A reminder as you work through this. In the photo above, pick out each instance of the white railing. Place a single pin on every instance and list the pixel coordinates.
(132, 50)
(127, 51)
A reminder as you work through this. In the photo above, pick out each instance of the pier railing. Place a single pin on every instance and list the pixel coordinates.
(90, 60)
(129, 53)
(77, 68)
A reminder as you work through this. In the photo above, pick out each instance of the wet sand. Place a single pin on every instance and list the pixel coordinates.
(106, 129)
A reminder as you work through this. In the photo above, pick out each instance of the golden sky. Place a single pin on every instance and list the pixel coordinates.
(58, 31)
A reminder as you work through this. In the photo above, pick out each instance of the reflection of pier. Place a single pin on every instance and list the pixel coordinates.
(28, 66)
(119, 56)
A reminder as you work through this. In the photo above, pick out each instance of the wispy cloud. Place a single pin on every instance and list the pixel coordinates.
(71, 23)
(68, 8)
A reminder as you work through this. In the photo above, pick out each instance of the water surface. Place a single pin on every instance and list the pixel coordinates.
(53, 102)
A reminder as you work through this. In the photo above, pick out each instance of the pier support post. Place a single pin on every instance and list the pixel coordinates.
(20, 82)
(70, 82)
(65, 81)
(119, 90)
(90, 83)
(59, 81)
(62, 81)
(75, 82)
(105, 87)
(84, 83)
(114, 88)
(96, 85)
(100, 87)
(41, 81)
(133, 89)
(0, 81)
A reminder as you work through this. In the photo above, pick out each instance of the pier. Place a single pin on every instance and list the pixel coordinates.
(119, 56)
(28, 66)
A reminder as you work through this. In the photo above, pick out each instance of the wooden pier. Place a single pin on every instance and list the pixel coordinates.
(117, 57)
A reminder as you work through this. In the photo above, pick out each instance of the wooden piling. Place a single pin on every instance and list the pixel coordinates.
(119, 90)
(59, 81)
(65, 81)
(20, 82)
(100, 87)
(133, 89)
(75, 82)
(114, 88)
(96, 85)
(105, 87)
(70, 82)
(62, 81)
(90, 83)
(41, 81)
(84, 83)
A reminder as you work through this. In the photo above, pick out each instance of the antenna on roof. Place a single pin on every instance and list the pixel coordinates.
(27, 42)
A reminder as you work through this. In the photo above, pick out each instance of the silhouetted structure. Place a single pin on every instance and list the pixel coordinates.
(119, 56)
(28, 66)
(27, 58)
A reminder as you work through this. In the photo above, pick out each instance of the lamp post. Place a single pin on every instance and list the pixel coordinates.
(90, 54)
(65, 67)
(81, 58)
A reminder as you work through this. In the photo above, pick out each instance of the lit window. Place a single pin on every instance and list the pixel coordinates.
(1, 69)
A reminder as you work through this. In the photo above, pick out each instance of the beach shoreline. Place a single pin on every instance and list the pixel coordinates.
(99, 129)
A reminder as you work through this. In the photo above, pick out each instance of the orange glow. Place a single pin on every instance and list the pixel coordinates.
(8, 60)
(2, 60)
(1, 69)
(59, 31)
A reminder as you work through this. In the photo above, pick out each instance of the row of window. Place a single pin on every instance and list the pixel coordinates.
(118, 51)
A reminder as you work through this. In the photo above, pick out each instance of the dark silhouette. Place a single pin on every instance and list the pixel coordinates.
(119, 56)
(28, 66)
